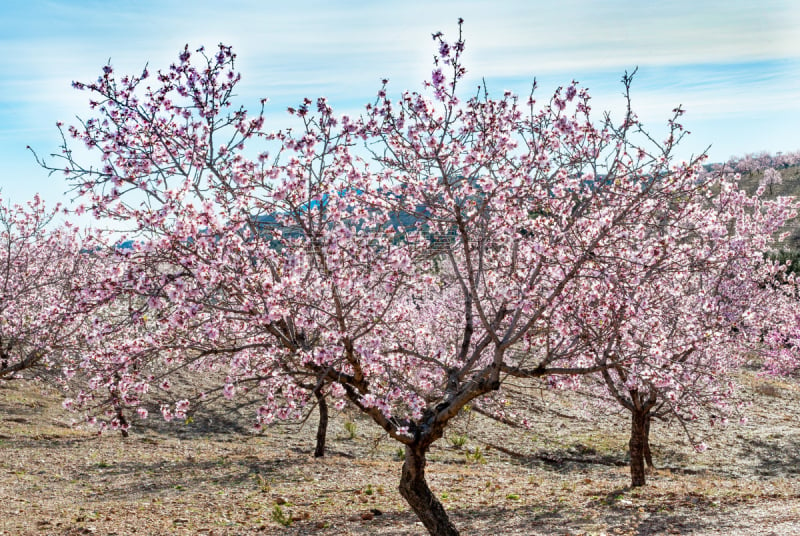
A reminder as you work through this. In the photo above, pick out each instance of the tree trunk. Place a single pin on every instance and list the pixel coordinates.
(637, 447)
(419, 497)
(322, 426)
(648, 456)
(123, 422)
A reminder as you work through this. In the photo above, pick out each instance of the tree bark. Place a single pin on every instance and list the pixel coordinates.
(648, 456)
(322, 425)
(637, 447)
(419, 497)
(123, 422)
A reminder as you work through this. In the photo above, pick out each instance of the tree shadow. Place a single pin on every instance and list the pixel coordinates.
(567, 460)
(537, 519)
(776, 455)
(125, 480)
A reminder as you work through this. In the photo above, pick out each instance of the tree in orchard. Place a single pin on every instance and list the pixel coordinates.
(42, 317)
(755, 162)
(314, 265)
(684, 306)
(200, 272)
(153, 332)
(771, 178)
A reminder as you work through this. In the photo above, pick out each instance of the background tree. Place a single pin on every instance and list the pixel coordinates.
(684, 305)
(42, 266)
(771, 177)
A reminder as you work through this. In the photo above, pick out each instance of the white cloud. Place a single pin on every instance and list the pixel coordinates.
(289, 50)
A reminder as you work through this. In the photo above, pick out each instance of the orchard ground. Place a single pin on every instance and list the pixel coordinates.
(566, 475)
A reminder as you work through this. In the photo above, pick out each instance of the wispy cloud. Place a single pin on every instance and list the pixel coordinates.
(719, 58)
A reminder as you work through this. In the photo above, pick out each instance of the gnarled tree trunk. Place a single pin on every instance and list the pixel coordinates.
(322, 425)
(419, 496)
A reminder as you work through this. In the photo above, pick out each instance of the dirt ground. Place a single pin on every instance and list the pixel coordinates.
(565, 476)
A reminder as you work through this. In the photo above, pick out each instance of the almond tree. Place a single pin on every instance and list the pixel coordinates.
(204, 280)
(755, 162)
(410, 277)
(41, 266)
(677, 336)
(772, 177)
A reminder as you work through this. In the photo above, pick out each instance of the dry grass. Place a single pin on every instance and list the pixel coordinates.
(565, 476)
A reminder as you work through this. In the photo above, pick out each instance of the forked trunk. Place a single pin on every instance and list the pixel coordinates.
(648, 456)
(322, 425)
(416, 492)
(637, 447)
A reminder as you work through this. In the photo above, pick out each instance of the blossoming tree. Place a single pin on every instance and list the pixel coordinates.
(41, 267)
(410, 277)
(679, 318)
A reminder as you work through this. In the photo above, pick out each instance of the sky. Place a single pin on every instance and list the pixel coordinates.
(734, 65)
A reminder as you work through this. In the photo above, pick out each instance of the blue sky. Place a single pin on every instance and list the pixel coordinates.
(734, 65)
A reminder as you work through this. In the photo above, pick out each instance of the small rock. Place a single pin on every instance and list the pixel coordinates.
(280, 500)
(367, 516)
